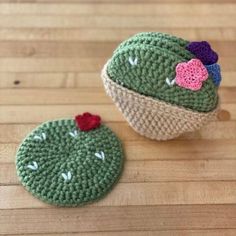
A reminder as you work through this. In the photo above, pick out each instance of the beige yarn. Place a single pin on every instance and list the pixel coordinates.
(153, 118)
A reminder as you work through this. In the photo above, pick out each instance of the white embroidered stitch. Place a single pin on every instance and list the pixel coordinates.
(37, 137)
(44, 136)
(133, 62)
(100, 155)
(41, 138)
(170, 82)
(74, 133)
(67, 176)
(34, 166)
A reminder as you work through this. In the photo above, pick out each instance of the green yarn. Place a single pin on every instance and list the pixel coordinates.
(157, 56)
(170, 38)
(64, 166)
(171, 43)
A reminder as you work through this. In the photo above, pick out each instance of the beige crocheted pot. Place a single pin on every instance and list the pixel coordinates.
(153, 118)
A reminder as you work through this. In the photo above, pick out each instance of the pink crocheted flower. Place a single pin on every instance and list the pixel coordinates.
(191, 74)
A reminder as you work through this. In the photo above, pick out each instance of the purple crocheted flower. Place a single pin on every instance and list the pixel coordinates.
(191, 74)
(203, 51)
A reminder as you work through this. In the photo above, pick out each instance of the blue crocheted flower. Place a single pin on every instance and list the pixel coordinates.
(214, 71)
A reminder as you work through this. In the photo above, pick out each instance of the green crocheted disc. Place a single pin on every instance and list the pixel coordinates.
(64, 166)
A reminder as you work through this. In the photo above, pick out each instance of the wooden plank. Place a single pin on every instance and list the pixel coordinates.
(51, 64)
(121, 9)
(228, 79)
(227, 63)
(40, 113)
(107, 35)
(123, 219)
(146, 150)
(53, 80)
(116, 1)
(14, 133)
(230, 109)
(57, 96)
(58, 49)
(8, 174)
(223, 48)
(133, 194)
(54, 96)
(93, 64)
(7, 152)
(155, 171)
(214, 131)
(37, 80)
(209, 232)
(227, 94)
(72, 80)
(76, 96)
(196, 149)
(80, 49)
(48, 21)
(17, 114)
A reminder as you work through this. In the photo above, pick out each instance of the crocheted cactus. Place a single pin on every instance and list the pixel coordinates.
(146, 64)
(62, 165)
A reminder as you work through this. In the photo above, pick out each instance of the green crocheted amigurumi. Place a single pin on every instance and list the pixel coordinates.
(147, 64)
(70, 162)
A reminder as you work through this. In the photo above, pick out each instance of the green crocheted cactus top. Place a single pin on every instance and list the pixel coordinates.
(64, 166)
(144, 62)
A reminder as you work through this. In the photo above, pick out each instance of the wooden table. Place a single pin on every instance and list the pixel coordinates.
(51, 54)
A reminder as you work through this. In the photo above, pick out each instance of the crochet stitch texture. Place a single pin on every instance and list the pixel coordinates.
(214, 71)
(158, 100)
(203, 51)
(146, 62)
(64, 166)
(191, 74)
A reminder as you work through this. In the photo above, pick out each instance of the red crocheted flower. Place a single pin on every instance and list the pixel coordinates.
(191, 74)
(87, 121)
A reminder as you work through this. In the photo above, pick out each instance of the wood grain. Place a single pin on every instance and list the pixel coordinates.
(48, 21)
(139, 194)
(108, 35)
(16, 113)
(82, 95)
(140, 149)
(51, 55)
(73, 64)
(80, 49)
(128, 218)
(44, 80)
(139, 171)
(128, 9)
(209, 232)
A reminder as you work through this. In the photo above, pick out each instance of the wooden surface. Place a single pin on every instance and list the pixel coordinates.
(51, 54)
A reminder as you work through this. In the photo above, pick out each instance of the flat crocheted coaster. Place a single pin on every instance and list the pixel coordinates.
(62, 165)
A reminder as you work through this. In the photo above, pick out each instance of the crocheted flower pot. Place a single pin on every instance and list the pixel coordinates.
(161, 87)
(64, 165)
